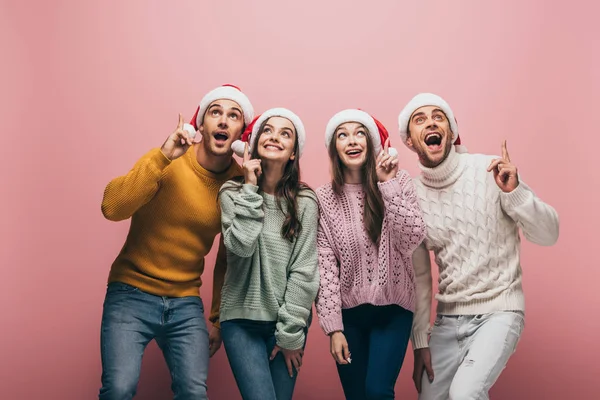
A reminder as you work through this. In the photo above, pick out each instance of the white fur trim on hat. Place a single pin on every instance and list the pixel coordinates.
(190, 130)
(422, 100)
(238, 145)
(229, 93)
(361, 117)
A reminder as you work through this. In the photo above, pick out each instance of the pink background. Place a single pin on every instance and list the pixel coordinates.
(88, 88)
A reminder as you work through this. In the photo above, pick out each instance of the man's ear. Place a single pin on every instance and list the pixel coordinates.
(409, 142)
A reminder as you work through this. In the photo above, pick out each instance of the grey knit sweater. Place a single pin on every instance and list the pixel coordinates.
(268, 277)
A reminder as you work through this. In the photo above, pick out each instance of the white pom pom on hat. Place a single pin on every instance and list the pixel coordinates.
(251, 132)
(376, 130)
(227, 92)
(428, 99)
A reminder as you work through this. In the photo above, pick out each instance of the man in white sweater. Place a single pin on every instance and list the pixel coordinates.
(473, 206)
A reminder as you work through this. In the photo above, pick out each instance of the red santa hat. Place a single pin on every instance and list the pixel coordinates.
(429, 99)
(251, 132)
(377, 132)
(227, 92)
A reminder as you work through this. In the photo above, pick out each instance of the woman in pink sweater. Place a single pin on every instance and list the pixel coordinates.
(370, 223)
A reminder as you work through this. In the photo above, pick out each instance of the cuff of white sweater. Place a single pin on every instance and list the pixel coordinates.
(331, 323)
(517, 197)
(420, 340)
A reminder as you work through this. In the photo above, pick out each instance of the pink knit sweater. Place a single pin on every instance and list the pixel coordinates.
(355, 271)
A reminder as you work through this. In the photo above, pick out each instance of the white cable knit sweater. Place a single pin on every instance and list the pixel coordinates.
(473, 230)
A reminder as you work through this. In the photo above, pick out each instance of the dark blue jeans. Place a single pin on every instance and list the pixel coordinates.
(248, 345)
(131, 319)
(377, 339)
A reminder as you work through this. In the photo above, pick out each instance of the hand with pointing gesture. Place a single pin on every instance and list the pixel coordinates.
(252, 169)
(178, 143)
(386, 165)
(505, 173)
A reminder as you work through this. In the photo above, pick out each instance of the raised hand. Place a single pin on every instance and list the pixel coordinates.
(505, 173)
(178, 143)
(387, 165)
(252, 169)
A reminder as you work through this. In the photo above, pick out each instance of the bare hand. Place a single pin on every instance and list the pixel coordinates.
(339, 348)
(293, 358)
(387, 165)
(505, 173)
(178, 143)
(252, 169)
(422, 363)
(214, 340)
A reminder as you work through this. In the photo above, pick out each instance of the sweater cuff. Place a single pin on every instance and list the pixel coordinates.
(394, 186)
(517, 197)
(390, 188)
(249, 188)
(294, 342)
(332, 323)
(420, 340)
(159, 159)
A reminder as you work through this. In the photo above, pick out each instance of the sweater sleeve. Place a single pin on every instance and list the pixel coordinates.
(218, 280)
(329, 301)
(124, 195)
(402, 212)
(242, 218)
(420, 328)
(302, 282)
(537, 220)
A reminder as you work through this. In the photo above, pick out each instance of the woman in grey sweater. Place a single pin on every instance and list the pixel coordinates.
(269, 223)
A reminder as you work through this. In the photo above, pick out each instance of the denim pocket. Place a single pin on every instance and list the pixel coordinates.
(119, 287)
(438, 320)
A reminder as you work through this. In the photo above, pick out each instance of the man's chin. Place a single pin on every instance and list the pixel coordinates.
(220, 149)
(431, 161)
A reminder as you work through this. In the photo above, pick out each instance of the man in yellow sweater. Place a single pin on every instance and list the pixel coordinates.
(153, 287)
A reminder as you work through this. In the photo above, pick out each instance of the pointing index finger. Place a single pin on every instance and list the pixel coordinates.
(505, 152)
(386, 146)
(246, 157)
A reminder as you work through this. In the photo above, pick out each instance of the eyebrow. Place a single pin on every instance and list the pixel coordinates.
(419, 114)
(284, 128)
(220, 106)
(343, 128)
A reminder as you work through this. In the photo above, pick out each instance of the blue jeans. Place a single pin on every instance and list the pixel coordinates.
(131, 319)
(248, 345)
(377, 339)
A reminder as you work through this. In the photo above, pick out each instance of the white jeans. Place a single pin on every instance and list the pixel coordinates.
(469, 352)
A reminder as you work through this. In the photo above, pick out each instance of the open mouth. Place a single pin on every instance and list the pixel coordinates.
(272, 147)
(433, 140)
(354, 153)
(220, 137)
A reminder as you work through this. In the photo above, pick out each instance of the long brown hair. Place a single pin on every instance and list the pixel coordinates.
(374, 207)
(288, 188)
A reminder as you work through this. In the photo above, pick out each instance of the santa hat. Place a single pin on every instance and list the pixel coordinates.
(429, 99)
(227, 92)
(251, 133)
(376, 130)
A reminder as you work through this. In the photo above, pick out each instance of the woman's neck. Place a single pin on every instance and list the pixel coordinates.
(271, 175)
(352, 176)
